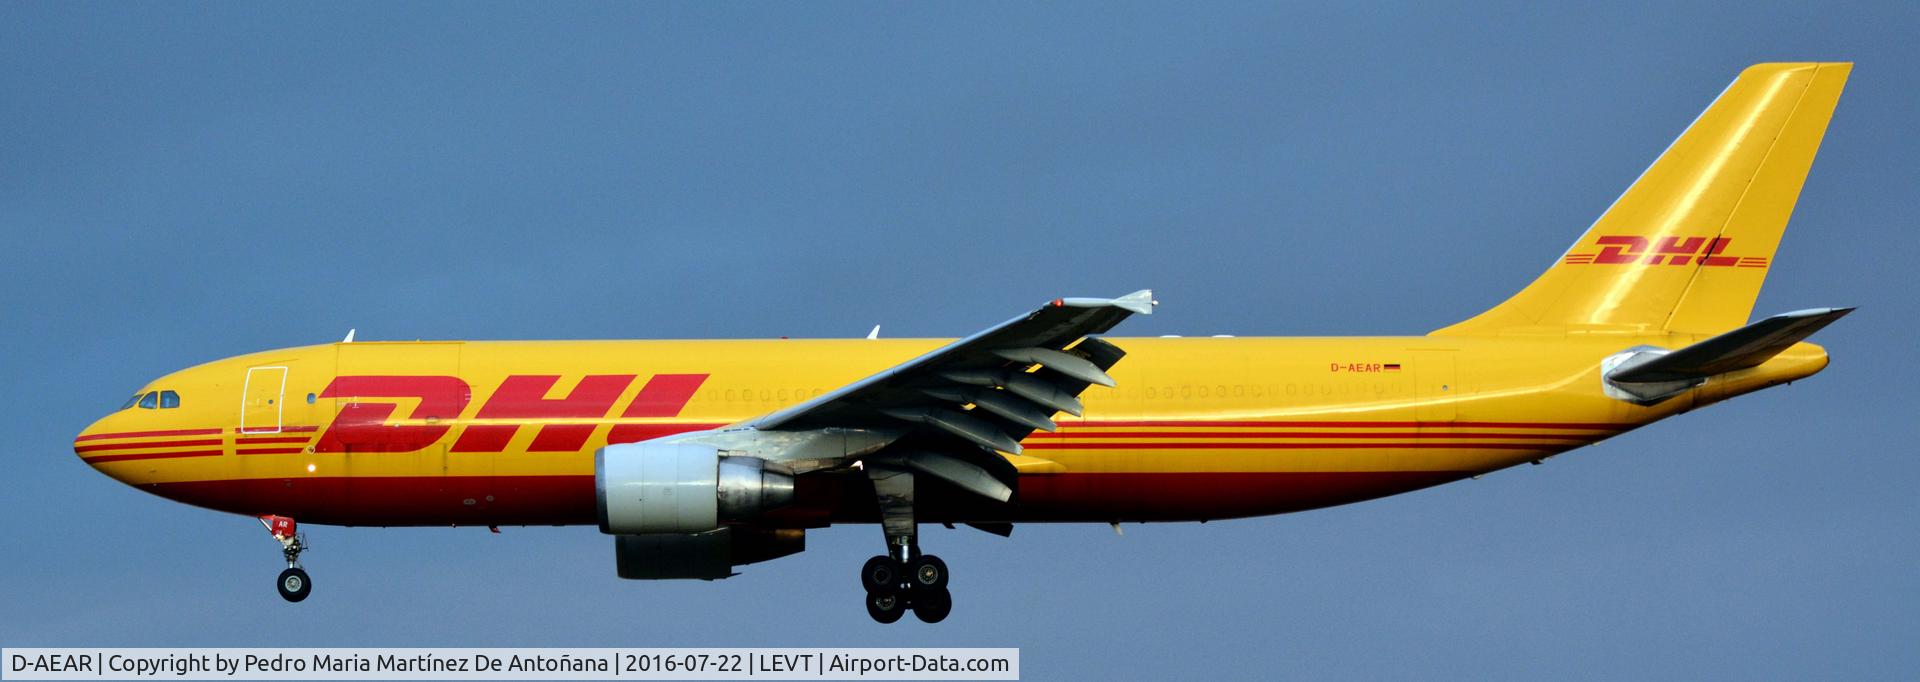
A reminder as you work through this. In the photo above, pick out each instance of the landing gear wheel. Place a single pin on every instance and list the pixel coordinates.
(887, 606)
(880, 574)
(929, 573)
(932, 606)
(295, 585)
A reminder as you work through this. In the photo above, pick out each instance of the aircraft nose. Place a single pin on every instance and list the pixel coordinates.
(86, 441)
(104, 441)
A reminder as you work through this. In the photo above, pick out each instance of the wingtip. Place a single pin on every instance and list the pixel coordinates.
(1139, 302)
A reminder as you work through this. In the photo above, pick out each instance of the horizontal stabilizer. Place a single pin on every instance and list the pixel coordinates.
(1739, 349)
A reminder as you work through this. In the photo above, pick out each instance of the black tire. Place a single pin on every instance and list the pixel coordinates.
(880, 574)
(929, 573)
(294, 585)
(932, 606)
(886, 606)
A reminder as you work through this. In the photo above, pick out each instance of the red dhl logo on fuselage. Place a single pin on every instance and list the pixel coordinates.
(363, 426)
(1627, 249)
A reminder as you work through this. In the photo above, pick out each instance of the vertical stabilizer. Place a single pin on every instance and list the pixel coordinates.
(1687, 247)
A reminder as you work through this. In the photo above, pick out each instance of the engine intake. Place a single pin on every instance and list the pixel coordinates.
(682, 488)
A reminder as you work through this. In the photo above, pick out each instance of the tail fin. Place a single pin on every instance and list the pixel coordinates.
(1687, 247)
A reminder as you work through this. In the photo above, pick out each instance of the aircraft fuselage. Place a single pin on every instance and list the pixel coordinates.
(503, 433)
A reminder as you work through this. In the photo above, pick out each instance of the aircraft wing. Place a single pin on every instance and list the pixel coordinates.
(991, 364)
(962, 404)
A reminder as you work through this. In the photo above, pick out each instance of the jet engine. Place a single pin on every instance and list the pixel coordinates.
(671, 505)
(653, 487)
(702, 556)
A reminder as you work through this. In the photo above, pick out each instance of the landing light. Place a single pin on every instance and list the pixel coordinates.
(309, 468)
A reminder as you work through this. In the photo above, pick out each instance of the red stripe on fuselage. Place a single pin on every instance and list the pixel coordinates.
(258, 441)
(398, 501)
(1218, 445)
(1187, 496)
(269, 451)
(569, 500)
(149, 445)
(1302, 434)
(148, 434)
(1591, 426)
(154, 455)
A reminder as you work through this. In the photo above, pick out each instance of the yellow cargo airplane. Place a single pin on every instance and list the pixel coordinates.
(700, 456)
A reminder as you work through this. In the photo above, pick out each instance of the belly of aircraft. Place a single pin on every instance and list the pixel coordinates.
(823, 499)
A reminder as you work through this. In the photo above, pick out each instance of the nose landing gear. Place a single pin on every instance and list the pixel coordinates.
(293, 583)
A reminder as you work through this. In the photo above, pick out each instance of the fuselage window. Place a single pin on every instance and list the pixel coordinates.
(150, 400)
(132, 400)
(169, 400)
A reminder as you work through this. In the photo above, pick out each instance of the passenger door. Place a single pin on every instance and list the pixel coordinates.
(263, 399)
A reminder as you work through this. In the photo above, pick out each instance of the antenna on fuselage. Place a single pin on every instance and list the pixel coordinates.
(874, 334)
(349, 338)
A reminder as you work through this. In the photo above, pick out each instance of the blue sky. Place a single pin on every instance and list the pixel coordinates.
(180, 183)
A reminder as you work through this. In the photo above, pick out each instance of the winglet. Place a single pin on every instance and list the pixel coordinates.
(1138, 302)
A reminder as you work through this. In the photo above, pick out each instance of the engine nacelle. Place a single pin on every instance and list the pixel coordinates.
(702, 556)
(686, 488)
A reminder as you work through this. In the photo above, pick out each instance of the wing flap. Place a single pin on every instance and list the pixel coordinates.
(961, 473)
(1073, 366)
(974, 429)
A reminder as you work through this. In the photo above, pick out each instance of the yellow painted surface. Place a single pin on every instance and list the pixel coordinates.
(1293, 404)
(1734, 175)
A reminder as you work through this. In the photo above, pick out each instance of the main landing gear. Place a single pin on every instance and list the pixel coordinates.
(894, 586)
(903, 578)
(293, 583)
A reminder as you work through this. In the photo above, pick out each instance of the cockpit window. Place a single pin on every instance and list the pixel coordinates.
(132, 400)
(150, 400)
(169, 400)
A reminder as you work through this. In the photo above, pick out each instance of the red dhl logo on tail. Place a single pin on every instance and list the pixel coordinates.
(364, 426)
(1625, 250)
